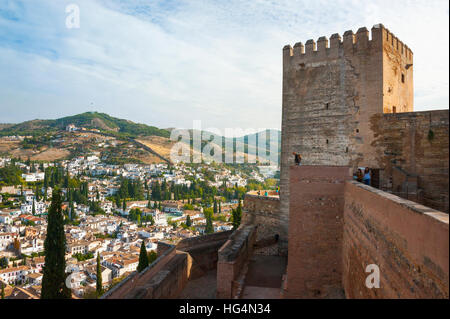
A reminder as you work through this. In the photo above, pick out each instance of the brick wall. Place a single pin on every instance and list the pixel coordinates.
(315, 231)
(403, 141)
(409, 242)
(167, 276)
(264, 212)
(128, 287)
(203, 251)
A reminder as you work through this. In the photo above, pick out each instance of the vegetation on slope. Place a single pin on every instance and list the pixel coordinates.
(89, 120)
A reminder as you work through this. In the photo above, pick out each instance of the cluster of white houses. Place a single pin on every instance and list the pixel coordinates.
(114, 237)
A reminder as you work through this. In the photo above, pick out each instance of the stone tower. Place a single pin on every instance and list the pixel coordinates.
(331, 92)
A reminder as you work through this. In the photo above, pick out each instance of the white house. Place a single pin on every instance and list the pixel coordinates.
(5, 218)
(15, 275)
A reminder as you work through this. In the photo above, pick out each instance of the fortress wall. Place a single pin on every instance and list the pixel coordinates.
(314, 267)
(169, 282)
(232, 257)
(409, 242)
(203, 251)
(127, 287)
(402, 140)
(168, 275)
(264, 212)
(205, 239)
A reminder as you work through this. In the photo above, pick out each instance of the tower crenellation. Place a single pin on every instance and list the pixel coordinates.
(350, 43)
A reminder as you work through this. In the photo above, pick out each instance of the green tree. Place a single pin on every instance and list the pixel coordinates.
(38, 193)
(215, 206)
(156, 191)
(208, 213)
(123, 190)
(99, 277)
(143, 258)
(188, 221)
(152, 255)
(53, 281)
(117, 198)
(11, 175)
(3, 262)
(237, 216)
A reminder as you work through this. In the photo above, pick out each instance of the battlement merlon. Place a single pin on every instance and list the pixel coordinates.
(351, 44)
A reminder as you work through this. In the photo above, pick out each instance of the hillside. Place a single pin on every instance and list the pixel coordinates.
(115, 140)
(89, 120)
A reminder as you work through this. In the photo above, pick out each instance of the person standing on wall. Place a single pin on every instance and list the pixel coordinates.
(298, 159)
(366, 178)
(359, 175)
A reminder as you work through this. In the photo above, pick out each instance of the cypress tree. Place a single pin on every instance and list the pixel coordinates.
(37, 193)
(237, 215)
(53, 281)
(99, 276)
(66, 178)
(209, 229)
(117, 200)
(46, 178)
(188, 221)
(143, 258)
(215, 206)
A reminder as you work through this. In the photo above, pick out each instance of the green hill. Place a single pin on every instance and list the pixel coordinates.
(89, 120)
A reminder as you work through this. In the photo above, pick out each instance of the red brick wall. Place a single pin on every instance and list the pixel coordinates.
(408, 242)
(315, 231)
(264, 212)
(402, 140)
(129, 286)
(232, 256)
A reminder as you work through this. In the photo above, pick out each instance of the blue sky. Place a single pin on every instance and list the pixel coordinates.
(167, 63)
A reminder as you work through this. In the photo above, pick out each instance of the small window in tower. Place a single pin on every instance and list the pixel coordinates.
(403, 78)
(394, 109)
(357, 130)
(327, 106)
(346, 149)
(327, 141)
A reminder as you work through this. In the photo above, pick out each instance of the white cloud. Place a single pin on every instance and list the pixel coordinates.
(167, 63)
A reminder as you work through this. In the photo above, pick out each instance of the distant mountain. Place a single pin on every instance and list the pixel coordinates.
(89, 120)
(247, 144)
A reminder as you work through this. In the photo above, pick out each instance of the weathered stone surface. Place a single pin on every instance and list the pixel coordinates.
(264, 212)
(334, 99)
(232, 257)
(315, 231)
(408, 242)
(415, 143)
